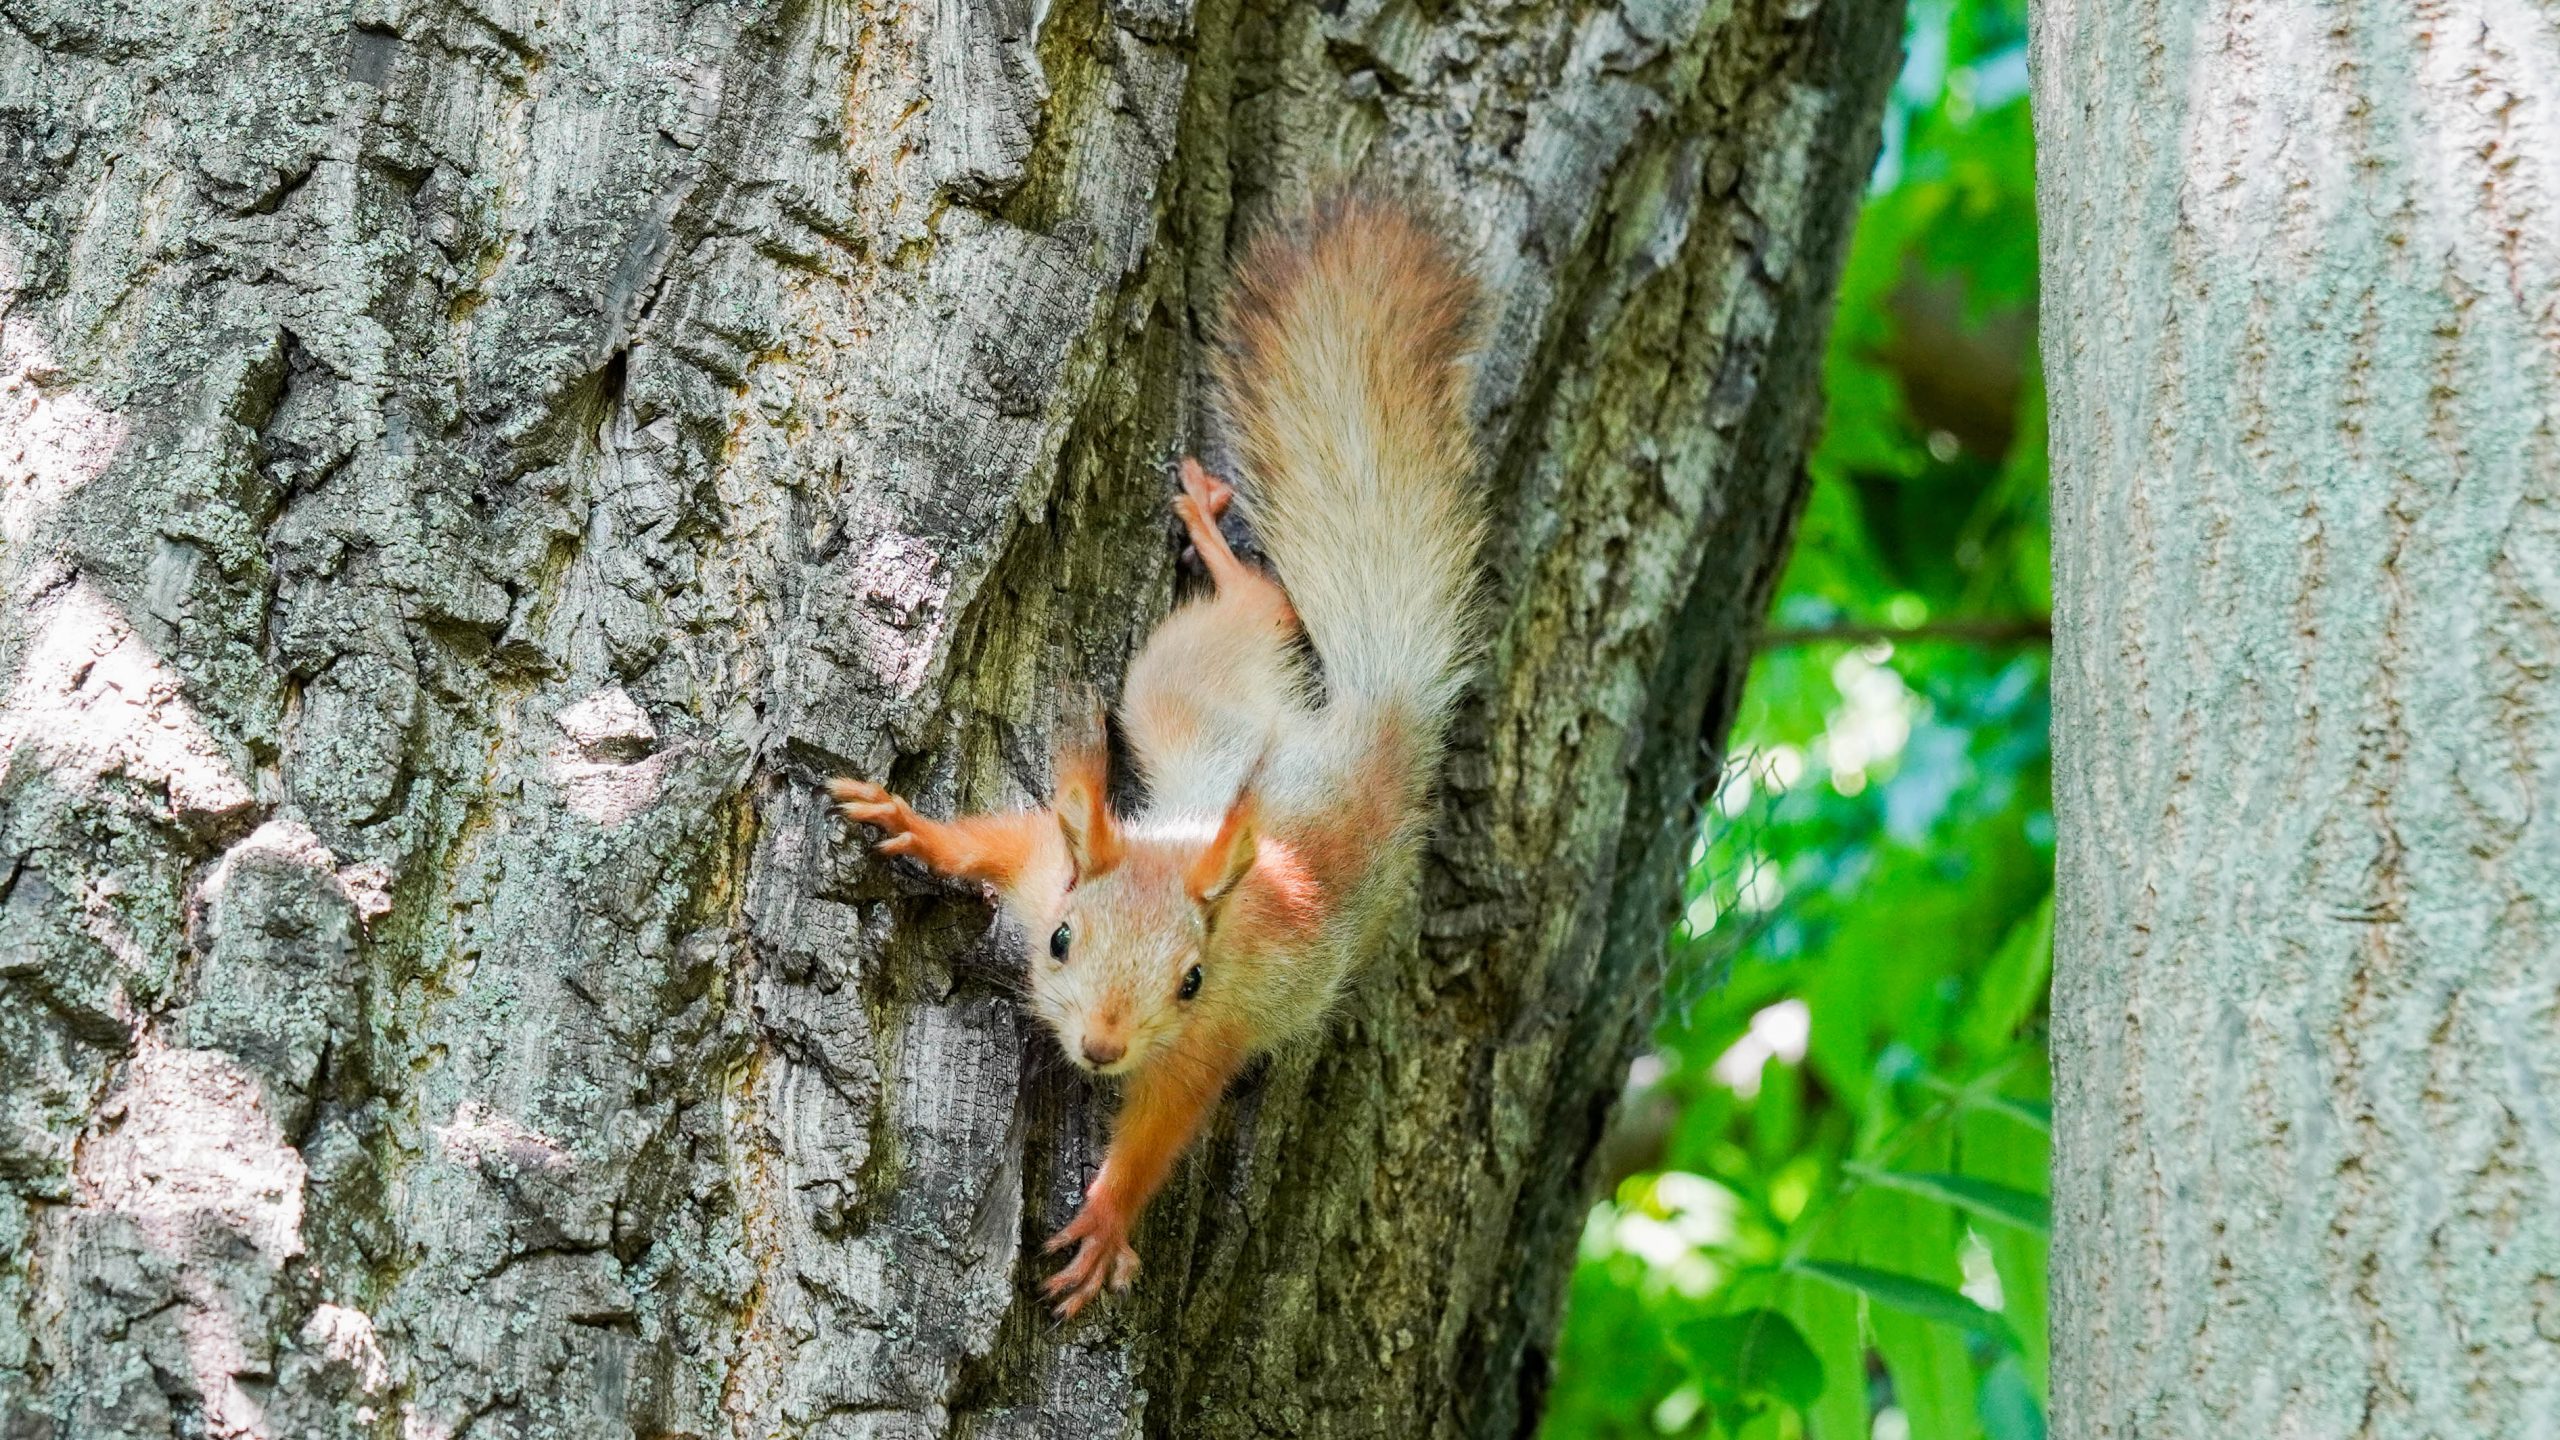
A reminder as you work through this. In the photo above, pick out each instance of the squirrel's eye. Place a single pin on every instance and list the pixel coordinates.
(1191, 982)
(1059, 939)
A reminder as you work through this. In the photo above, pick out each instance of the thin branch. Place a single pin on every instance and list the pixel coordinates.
(1992, 630)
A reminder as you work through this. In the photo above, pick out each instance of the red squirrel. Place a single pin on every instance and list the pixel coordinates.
(1284, 808)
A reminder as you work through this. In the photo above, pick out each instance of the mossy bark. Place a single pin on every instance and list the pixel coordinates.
(471, 467)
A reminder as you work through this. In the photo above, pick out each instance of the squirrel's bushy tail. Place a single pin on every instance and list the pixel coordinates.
(1346, 382)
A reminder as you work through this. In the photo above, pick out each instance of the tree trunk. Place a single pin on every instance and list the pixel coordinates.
(2301, 269)
(472, 465)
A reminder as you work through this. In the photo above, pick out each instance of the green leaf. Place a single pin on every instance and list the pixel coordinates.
(2013, 983)
(1777, 1360)
(1995, 1149)
(1912, 1297)
(2022, 1208)
(2035, 1112)
(1915, 1243)
(2036, 1115)
(1932, 1371)
(1754, 1352)
(1828, 1319)
(2007, 1403)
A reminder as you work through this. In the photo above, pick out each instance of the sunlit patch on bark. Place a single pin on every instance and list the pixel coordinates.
(52, 440)
(189, 1153)
(482, 1135)
(91, 699)
(608, 771)
(347, 1337)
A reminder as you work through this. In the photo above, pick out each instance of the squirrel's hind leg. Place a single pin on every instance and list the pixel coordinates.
(1207, 690)
(1204, 498)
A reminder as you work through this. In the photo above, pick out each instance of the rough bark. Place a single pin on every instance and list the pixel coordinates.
(2302, 331)
(469, 467)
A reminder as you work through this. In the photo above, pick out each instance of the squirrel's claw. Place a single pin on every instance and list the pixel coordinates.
(1102, 1259)
(867, 804)
(1095, 1267)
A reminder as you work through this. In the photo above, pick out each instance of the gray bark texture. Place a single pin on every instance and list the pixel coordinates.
(2302, 331)
(469, 466)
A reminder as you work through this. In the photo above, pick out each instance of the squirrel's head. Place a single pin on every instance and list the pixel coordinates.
(1130, 963)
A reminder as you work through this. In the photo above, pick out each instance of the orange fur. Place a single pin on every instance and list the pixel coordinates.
(1164, 1110)
(1083, 808)
(1223, 861)
(1281, 907)
(1284, 808)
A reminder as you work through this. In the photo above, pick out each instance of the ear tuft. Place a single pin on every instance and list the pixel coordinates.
(1229, 855)
(1083, 807)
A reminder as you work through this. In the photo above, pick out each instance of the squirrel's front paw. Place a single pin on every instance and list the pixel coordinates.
(1100, 1233)
(868, 804)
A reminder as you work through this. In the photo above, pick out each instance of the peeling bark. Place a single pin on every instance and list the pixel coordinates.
(470, 467)
(2301, 273)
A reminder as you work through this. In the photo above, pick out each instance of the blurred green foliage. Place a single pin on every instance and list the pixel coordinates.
(1833, 1212)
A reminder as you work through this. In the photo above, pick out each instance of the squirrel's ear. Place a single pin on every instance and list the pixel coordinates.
(1230, 854)
(1083, 808)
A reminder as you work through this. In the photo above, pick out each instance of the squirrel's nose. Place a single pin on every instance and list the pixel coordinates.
(1104, 1052)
